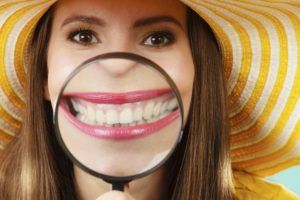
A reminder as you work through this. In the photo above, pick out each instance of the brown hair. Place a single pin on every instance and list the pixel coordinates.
(33, 165)
(203, 164)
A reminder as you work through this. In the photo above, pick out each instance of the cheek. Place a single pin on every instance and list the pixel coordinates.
(183, 73)
(61, 63)
(184, 79)
(56, 77)
(58, 71)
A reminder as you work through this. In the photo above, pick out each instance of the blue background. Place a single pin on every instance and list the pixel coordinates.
(290, 178)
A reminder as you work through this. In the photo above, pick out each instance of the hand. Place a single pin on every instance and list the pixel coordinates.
(115, 195)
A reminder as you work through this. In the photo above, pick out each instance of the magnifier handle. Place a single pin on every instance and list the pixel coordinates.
(118, 186)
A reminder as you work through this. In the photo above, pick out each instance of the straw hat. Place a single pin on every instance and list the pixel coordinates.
(260, 40)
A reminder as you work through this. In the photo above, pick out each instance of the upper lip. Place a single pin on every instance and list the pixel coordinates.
(119, 98)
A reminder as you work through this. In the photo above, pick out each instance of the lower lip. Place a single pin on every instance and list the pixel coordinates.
(121, 133)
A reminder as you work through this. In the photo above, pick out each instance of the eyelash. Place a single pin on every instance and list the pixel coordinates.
(168, 35)
(73, 33)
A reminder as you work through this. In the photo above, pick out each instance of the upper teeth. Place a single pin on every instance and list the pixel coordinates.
(129, 114)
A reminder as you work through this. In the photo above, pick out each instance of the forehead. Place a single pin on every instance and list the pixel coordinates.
(124, 10)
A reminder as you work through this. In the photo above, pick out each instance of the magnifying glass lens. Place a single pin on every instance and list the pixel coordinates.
(118, 116)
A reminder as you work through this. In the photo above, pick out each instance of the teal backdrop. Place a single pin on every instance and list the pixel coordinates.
(290, 178)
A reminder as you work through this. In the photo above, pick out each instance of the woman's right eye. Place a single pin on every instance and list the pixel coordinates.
(84, 37)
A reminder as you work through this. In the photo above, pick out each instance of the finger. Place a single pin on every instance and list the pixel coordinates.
(115, 195)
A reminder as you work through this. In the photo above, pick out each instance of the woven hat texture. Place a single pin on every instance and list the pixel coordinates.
(260, 41)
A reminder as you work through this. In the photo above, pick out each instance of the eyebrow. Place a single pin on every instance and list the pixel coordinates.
(156, 19)
(139, 23)
(84, 19)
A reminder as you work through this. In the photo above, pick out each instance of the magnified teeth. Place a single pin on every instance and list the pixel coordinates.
(141, 122)
(152, 119)
(148, 110)
(123, 115)
(164, 114)
(75, 105)
(156, 109)
(133, 124)
(112, 117)
(82, 118)
(100, 117)
(138, 114)
(90, 113)
(172, 104)
(126, 116)
(81, 109)
(163, 107)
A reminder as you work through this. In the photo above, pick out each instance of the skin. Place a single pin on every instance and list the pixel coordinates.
(116, 30)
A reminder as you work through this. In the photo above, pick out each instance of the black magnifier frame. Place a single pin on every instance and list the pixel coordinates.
(118, 182)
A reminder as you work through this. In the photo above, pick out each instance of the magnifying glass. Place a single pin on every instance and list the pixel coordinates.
(119, 117)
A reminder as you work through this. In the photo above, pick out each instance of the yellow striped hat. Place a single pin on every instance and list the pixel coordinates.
(260, 40)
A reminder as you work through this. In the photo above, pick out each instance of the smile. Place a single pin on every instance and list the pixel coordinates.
(121, 116)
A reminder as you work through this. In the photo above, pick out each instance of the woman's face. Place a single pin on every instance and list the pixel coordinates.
(154, 29)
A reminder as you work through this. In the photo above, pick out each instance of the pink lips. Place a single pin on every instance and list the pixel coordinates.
(120, 133)
(120, 98)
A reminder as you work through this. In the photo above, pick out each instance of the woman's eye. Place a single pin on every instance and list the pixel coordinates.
(159, 39)
(85, 37)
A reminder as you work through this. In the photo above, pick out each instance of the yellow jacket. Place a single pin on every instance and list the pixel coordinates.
(249, 187)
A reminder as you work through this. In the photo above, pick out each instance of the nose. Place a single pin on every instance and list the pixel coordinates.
(117, 67)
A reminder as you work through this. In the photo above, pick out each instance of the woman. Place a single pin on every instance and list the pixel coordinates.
(44, 172)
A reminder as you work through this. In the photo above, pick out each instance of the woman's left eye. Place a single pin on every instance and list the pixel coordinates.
(159, 39)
